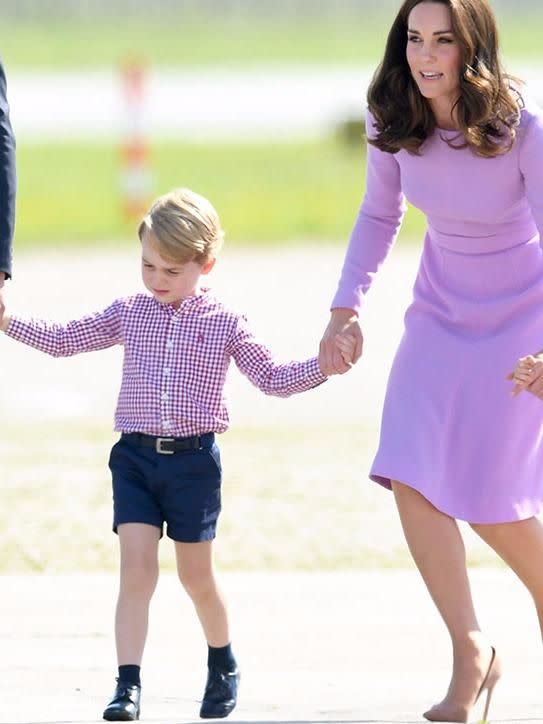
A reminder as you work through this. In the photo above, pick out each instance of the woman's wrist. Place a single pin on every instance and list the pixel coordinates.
(343, 313)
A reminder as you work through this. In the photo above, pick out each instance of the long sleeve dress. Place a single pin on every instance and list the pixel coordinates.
(450, 427)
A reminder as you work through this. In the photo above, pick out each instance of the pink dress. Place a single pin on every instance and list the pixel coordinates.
(450, 428)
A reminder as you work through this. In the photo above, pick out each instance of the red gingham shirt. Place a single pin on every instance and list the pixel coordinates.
(175, 360)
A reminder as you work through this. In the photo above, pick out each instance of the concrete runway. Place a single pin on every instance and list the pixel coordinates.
(347, 648)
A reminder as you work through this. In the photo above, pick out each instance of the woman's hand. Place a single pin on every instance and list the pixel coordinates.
(341, 344)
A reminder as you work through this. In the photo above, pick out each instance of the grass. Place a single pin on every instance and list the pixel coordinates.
(278, 512)
(235, 41)
(265, 192)
(232, 43)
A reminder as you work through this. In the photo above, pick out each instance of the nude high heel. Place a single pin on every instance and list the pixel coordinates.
(446, 713)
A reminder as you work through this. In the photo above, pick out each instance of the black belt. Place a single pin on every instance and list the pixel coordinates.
(171, 445)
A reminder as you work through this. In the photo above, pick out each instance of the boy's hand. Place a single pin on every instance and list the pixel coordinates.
(346, 343)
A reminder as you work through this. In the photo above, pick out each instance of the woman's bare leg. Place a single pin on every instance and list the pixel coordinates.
(520, 545)
(436, 545)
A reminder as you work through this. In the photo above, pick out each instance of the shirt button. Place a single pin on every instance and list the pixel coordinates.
(164, 396)
(166, 371)
(166, 424)
(169, 344)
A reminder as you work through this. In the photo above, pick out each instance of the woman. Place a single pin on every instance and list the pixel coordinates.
(450, 131)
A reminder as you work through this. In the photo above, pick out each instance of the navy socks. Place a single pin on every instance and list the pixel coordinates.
(130, 674)
(221, 658)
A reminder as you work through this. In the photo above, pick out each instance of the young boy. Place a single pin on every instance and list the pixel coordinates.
(178, 342)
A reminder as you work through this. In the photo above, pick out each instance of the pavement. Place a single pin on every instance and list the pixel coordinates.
(343, 648)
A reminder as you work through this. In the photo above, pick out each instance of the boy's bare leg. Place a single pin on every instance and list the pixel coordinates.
(138, 579)
(196, 573)
(195, 569)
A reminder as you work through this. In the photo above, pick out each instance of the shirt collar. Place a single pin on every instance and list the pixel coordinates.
(192, 302)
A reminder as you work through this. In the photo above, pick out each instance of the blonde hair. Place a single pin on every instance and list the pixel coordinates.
(185, 227)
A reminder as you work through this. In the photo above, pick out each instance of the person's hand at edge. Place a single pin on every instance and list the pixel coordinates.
(535, 384)
(4, 318)
(526, 373)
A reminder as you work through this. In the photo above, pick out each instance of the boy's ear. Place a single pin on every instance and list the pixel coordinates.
(208, 266)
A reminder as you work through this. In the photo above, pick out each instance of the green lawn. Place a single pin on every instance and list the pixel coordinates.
(278, 512)
(264, 192)
(236, 42)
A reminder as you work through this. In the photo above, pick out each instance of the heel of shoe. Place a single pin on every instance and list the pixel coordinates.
(445, 712)
(489, 693)
(492, 678)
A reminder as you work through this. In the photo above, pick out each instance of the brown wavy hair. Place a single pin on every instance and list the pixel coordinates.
(488, 106)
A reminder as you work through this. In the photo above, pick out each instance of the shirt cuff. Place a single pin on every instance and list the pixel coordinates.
(15, 330)
(313, 373)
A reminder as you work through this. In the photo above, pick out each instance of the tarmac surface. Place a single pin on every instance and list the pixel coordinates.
(348, 648)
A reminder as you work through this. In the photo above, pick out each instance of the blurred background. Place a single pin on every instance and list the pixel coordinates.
(251, 101)
(257, 104)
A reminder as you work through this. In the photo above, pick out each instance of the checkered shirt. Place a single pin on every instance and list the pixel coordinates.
(175, 360)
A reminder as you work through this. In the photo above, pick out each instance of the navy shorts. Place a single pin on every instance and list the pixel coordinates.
(182, 489)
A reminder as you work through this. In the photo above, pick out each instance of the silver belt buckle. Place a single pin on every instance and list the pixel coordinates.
(158, 445)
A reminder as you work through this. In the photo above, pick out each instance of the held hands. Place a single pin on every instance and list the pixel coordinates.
(346, 343)
(341, 344)
(528, 375)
